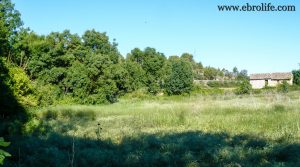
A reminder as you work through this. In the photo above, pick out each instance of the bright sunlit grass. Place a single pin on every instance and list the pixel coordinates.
(271, 116)
(224, 130)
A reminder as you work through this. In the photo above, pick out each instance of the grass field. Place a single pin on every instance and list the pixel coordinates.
(223, 130)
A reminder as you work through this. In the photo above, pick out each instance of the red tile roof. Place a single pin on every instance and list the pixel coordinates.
(275, 76)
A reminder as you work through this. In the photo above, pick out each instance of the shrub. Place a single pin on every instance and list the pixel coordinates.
(140, 94)
(50, 114)
(31, 126)
(20, 85)
(222, 84)
(244, 88)
(209, 91)
(69, 113)
(46, 94)
(20, 82)
(284, 87)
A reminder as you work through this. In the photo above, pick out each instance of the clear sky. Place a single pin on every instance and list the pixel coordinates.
(256, 41)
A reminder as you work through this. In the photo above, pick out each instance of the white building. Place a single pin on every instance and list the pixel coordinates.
(259, 81)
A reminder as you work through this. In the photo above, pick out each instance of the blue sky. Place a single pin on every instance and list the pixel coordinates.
(256, 41)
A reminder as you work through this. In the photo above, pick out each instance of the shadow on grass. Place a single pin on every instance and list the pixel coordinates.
(175, 149)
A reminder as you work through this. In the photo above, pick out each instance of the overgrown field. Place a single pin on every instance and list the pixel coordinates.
(224, 130)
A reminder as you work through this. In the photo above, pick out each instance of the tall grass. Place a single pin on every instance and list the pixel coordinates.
(271, 116)
(217, 130)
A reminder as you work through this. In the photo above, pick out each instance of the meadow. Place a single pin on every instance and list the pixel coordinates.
(196, 130)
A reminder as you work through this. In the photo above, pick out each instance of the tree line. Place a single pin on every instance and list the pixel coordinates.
(89, 69)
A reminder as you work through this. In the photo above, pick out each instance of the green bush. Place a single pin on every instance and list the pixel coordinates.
(20, 85)
(208, 91)
(31, 126)
(223, 84)
(69, 113)
(244, 88)
(46, 94)
(50, 114)
(284, 87)
(140, 94)
(20, 82)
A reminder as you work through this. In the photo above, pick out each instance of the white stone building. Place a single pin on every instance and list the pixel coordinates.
(259, 81)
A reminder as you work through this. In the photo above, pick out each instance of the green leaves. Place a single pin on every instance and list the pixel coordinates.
(179, 76)
(3, 143)
(244, 88)
(9, 21)
(296, 75)
(152, 63)
(3, 153)
(283, 87)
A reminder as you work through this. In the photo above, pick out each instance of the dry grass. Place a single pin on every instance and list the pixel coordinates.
(261, 130)
(271, 116)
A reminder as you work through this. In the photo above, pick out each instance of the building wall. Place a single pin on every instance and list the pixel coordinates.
(273, 83)
(290, 81)
(257, 84)
(276, 82)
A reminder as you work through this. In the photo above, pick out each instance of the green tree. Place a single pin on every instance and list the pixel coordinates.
(99, 43)
(179, 77)
(198, 71)
(136, 55)
(77, 82)
(242, 75)
(152, 63)
(210, 73)
(235, 71)
(197, 67)
(137, 78)
(153, 66)
(188, 57)
(121, 77)
(78, 66)
(9, 22)
(296, 77)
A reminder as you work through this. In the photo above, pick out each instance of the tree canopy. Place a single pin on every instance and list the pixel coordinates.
(89, 69)
(179, 76)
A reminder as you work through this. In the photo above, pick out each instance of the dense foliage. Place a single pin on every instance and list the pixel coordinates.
(223, 84)
(179, 77)
(88, 69)
(66, 68)
(296, 75)
(151, 64)
(244, 87)
(283, 87)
